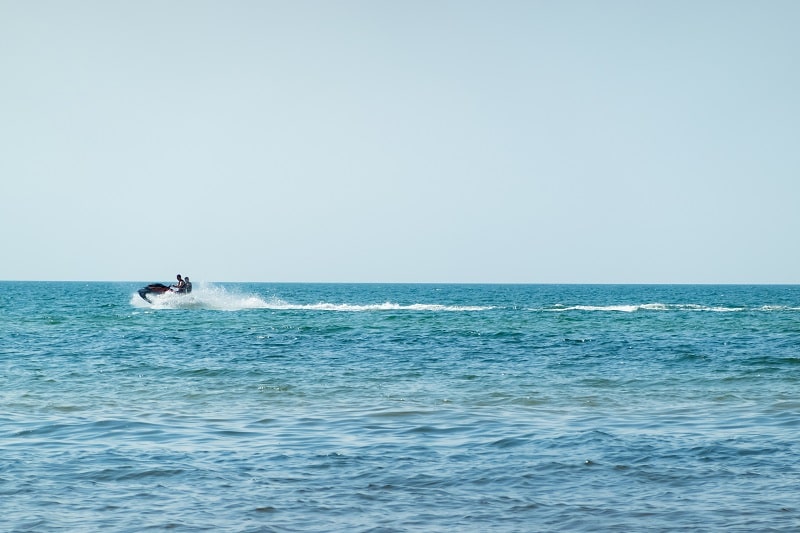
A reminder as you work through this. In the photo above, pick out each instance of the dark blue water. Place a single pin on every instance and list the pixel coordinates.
(328, 407)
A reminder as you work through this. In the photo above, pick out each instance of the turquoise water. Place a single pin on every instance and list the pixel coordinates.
(330, 407)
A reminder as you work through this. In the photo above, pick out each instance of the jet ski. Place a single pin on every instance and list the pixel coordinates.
(154, 289)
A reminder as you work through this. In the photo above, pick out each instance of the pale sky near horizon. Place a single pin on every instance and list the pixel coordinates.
(420, 141)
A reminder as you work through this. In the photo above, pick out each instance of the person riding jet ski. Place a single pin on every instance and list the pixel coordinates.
(180, 286)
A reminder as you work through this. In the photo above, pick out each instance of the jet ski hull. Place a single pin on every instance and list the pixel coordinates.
(153, 289)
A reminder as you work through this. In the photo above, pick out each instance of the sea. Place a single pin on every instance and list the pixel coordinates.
(399, 408)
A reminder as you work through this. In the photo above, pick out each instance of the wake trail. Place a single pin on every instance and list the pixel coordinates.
(213, 297)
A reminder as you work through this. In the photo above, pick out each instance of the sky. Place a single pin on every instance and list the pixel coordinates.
(426, 141)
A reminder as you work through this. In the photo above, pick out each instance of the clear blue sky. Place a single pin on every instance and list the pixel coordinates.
(421, 141)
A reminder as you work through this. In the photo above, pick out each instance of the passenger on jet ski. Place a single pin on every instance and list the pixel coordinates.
(180, 286)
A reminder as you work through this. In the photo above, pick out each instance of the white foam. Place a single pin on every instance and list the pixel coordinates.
(209, 296)
(648, 307)
(618, 308)
(778, 308)
(204, 296)
(386, 306)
